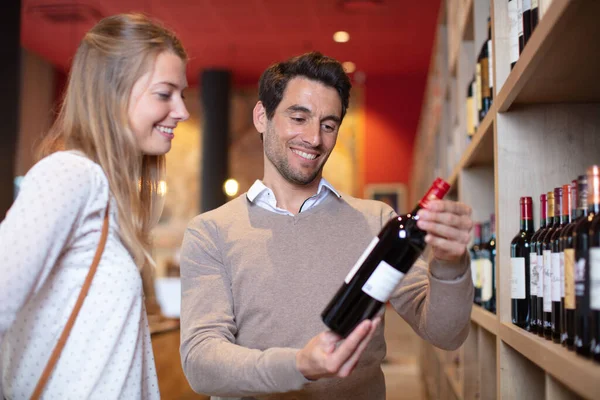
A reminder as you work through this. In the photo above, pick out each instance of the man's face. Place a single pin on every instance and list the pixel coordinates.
(302, 133)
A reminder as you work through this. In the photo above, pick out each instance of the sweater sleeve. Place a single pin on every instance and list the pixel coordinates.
(38, 227)
(212, 362)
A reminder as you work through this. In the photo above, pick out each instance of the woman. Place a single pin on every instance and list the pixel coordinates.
(107, 146)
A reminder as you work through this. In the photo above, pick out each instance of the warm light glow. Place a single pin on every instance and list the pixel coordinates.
(231, 187)
(161, 190)
(341, 36)
(349, 67)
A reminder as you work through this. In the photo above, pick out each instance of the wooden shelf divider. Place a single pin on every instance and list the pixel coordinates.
(485, 319)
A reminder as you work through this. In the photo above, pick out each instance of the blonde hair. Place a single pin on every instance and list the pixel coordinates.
(93, 118)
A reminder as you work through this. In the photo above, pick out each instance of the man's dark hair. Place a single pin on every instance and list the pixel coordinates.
(314, 66)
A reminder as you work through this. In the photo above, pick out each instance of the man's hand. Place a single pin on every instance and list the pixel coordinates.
(448, 225)
(322, 357)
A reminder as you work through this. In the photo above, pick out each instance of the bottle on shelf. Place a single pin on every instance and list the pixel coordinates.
(475, 252)
(491, 306)
(376, 274)
(490, 61)
(582, 272)
(526, 21)
(537, 271)
(546, 253)
(594, 275)
(475, 105)
(513, 37)
(470, 117)
(520, 262)
(534, 14)
(557, 268)
(579, 191)
(569, 207)
(484, 71)
(520, 26)
(486, 266)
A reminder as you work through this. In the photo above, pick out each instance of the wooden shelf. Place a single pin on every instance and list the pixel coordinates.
(481, 149)
(580, 375)
(561, 61)
(485, 319)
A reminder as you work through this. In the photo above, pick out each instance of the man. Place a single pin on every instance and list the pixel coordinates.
(257, 272)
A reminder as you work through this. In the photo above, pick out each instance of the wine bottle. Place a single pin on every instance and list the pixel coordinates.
(520, 25)
(491, 245)
(490, 61)
(546, 253)
(533, 269)
(581, 242)
(486, 267)
(475, 109)
(526, 21)
(568, 209)
(376, 274)
(513, 37)
(594, 275)
(520, 262)
(540, 267)
(534, 14)
(557, 275)
(479, 91)
(484, 71)
(579, 190)
(476, 270)
(470, 117)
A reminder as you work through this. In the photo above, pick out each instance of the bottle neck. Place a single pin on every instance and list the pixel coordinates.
(526, 225)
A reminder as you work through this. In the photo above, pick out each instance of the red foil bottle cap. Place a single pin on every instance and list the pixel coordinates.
(437, 191)
(526, 207)
(543, 202)
(566, 199)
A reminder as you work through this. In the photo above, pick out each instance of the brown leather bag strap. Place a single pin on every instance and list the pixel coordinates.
(71, 321)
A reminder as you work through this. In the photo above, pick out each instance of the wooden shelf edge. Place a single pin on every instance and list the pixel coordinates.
(484, 129)
(581, 375)
(485, 319)
(533, 53)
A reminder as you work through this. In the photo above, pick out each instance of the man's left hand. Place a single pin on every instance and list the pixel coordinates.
(448, 225)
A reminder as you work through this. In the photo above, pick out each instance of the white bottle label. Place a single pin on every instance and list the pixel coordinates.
(474, 273)
(526, 5)
(562, 275)
(580, 277)
(517, 281)
(547, 281)
(513, 20)
(520, 17)
(361, 259)
(595, 278)
(490, 65)
(486, 280)
(570, 279)
(534, 3)
(540, 268)
(533, 274)
(555, 276)
(382, 282)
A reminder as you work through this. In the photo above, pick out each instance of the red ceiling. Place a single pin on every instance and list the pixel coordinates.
(388, 37)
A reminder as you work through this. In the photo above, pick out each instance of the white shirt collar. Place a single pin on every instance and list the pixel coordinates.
(259, 188)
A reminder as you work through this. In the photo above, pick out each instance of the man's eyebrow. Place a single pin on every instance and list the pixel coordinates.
(299, 108)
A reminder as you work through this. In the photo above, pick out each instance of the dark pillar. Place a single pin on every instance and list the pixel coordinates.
(10, 82)
(215, 86)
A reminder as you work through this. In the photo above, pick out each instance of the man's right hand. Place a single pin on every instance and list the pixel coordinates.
(322, 357)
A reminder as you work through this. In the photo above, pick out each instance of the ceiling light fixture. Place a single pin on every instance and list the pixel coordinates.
(341, 36)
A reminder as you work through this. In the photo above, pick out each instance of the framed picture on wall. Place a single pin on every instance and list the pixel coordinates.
(393, 194)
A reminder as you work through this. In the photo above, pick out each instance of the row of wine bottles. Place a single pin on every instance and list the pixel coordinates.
(523, 16)
(480, 90)
(483, 264)
(555, 271)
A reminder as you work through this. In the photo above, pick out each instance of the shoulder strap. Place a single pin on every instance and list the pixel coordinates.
(71, 321)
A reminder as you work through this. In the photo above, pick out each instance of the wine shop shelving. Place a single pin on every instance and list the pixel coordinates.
(542, 130)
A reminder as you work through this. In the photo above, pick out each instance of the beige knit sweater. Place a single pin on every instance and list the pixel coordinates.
(254, 284)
